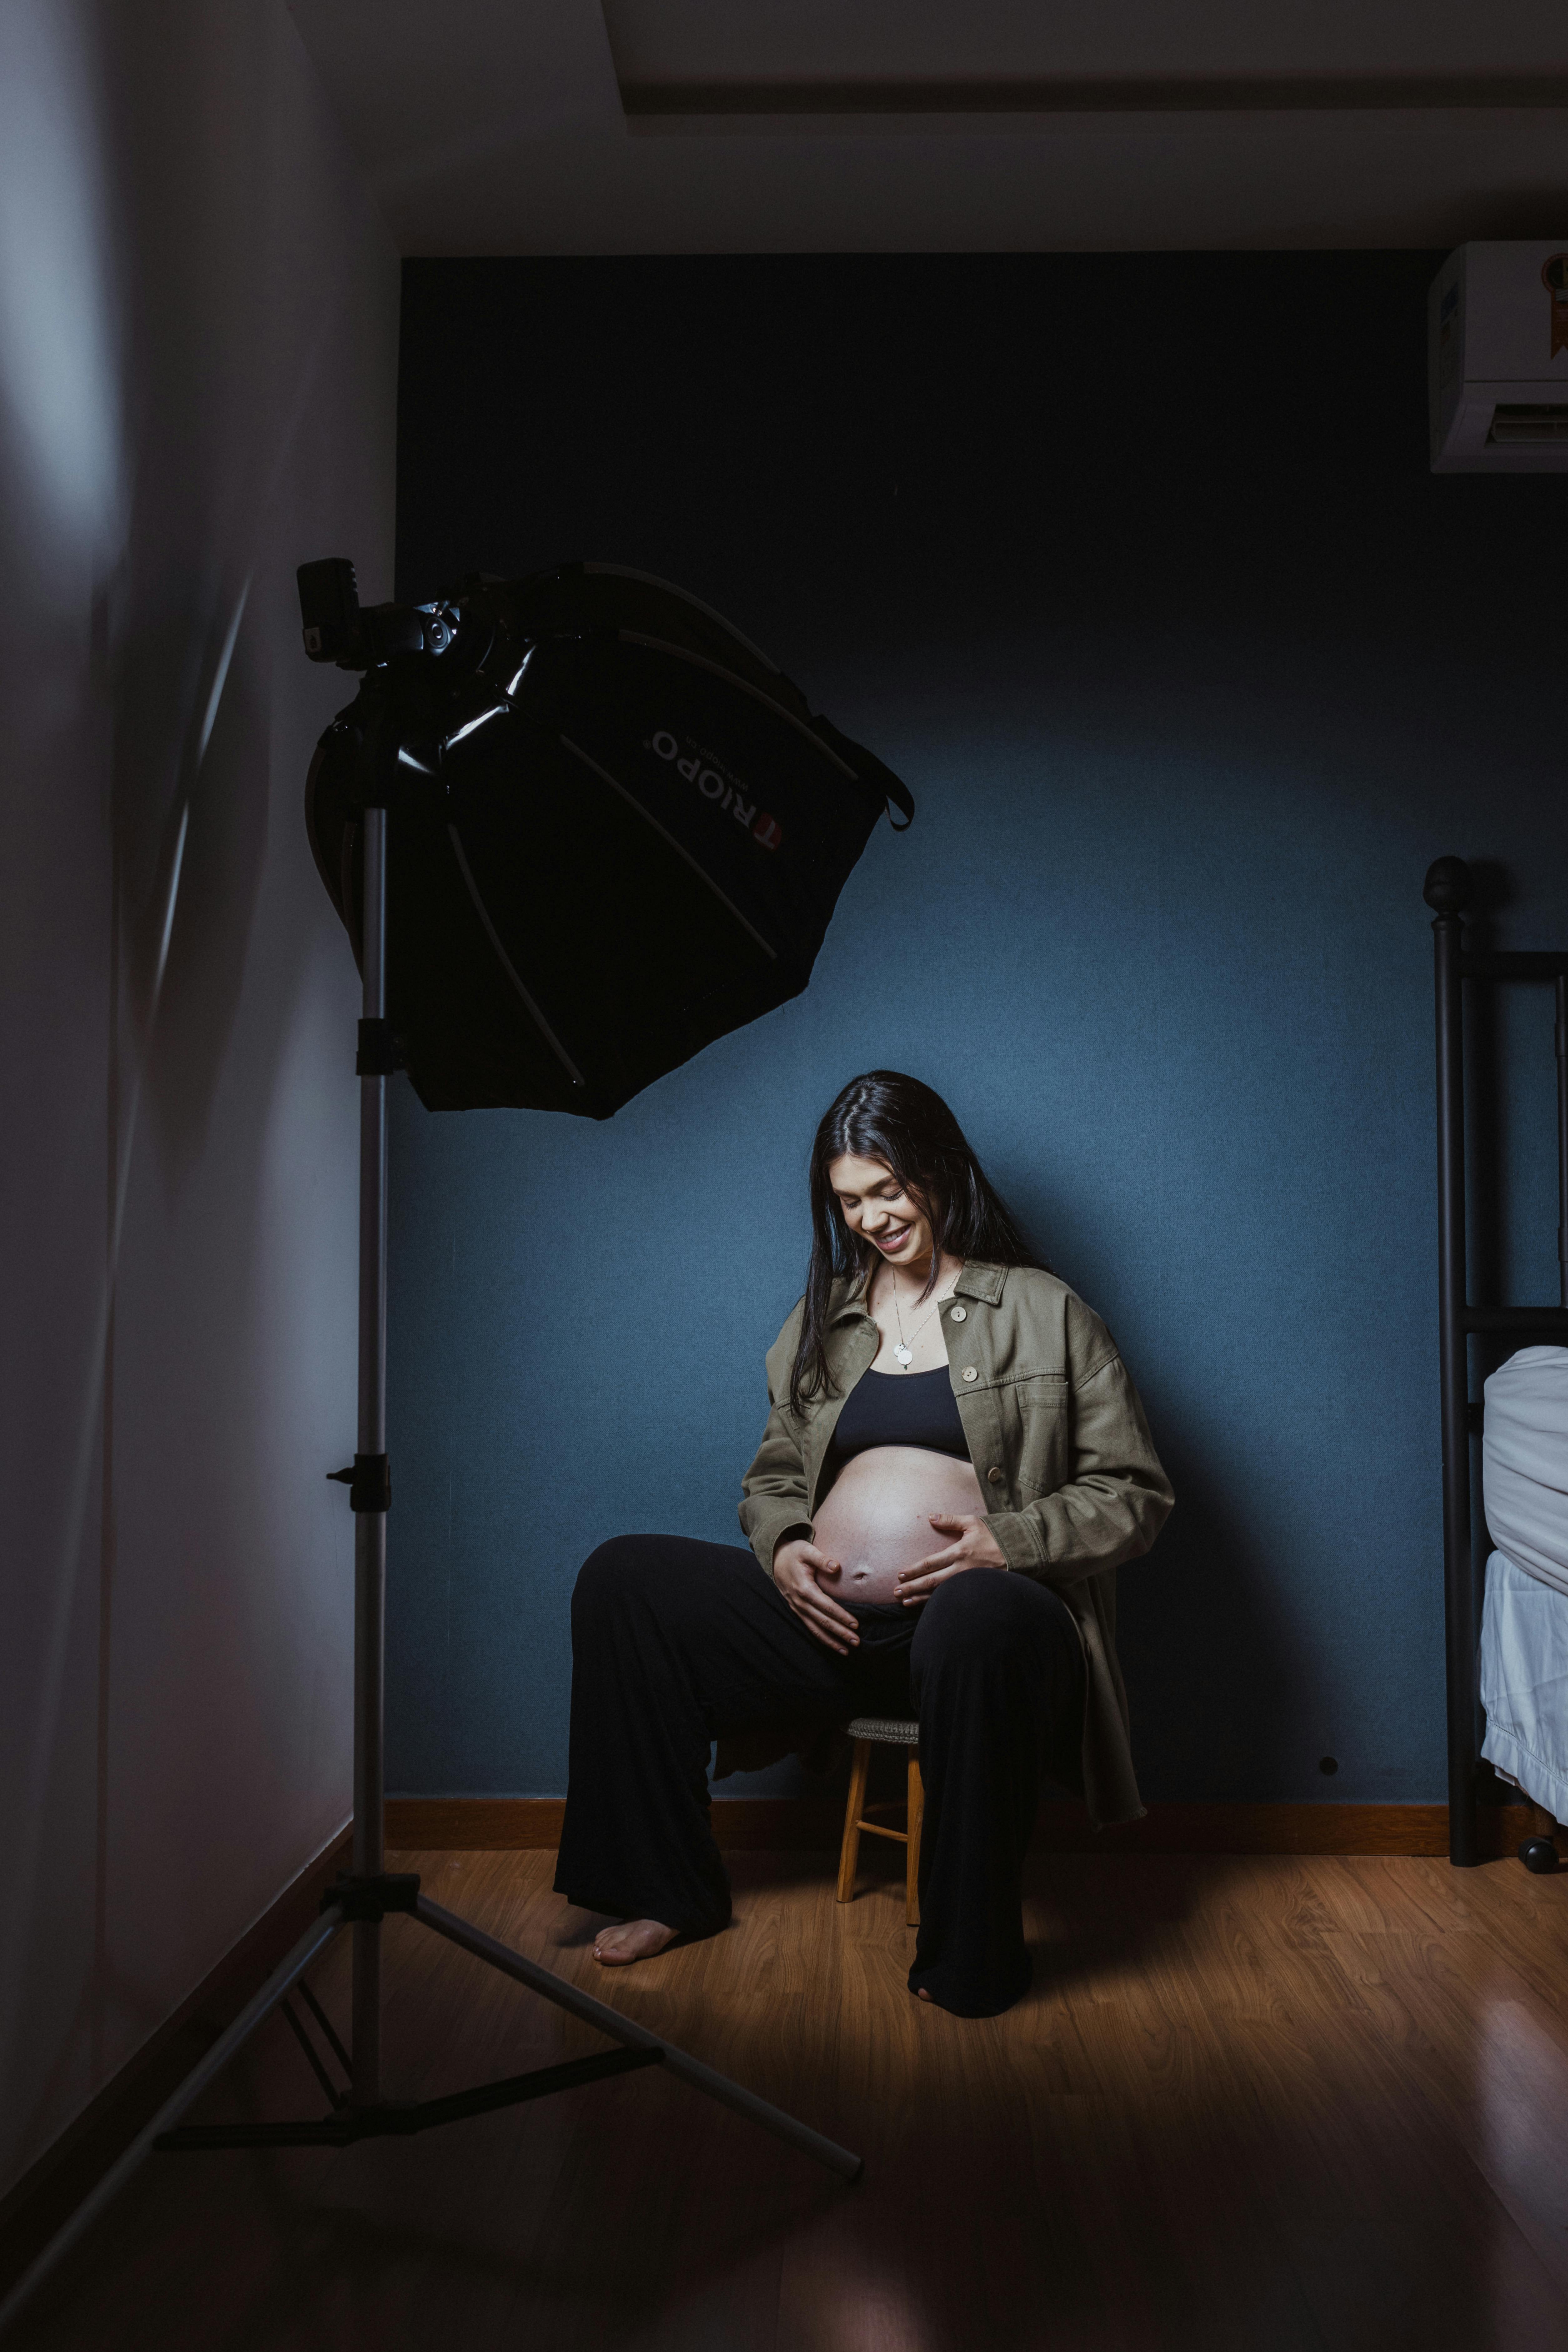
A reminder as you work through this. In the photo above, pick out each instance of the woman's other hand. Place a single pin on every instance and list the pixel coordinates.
(974, 1546)
(797, 1566)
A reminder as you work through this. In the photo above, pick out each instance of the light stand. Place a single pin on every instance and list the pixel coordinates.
(363, 1897)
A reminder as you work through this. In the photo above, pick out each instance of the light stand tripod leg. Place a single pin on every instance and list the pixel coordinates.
(277, 1988)
(637, 2037)
(370, 1524)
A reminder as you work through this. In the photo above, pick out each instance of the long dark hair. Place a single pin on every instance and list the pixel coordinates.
(885, 1116)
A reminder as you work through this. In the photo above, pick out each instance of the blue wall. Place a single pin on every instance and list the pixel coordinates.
(1133, 567)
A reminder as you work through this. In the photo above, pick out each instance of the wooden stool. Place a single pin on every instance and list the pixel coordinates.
(886, 1731)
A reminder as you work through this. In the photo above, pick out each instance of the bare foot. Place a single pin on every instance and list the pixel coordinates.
(921, 1994)
(633, 1939)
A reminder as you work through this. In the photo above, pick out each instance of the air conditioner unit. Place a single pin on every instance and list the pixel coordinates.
(1498, 359)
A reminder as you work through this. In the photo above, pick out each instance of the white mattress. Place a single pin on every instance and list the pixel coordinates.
(1524, 1623)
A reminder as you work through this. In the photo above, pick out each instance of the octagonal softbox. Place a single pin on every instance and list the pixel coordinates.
(616, 833)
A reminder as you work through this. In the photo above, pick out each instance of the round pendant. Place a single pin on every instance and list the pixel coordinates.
(904, 1355)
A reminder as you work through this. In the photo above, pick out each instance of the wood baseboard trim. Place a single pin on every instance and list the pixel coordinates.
(807, 1824)
(52, 2188)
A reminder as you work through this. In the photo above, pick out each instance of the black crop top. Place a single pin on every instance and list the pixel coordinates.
(900, 1409)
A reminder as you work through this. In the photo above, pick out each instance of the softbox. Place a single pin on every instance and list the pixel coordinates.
(616, 832)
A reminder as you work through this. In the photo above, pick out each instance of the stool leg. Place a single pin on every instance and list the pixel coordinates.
(849, 1852)
(912, 1823)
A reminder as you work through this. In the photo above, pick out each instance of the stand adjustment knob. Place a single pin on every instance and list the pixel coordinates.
(369, 1481)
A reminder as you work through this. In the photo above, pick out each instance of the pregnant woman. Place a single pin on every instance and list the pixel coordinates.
(955, 1463)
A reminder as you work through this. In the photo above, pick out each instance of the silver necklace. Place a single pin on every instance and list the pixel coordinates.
(904, 1351)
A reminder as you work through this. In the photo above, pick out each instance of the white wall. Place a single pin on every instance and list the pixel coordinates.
(198, 314)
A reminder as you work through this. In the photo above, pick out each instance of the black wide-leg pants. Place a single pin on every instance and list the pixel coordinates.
(675, 1644)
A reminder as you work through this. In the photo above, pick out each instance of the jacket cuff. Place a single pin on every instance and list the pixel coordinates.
(1020, 1540)
(779, 1527)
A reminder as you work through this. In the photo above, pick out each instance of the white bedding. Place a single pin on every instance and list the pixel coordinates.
(1524, 1623)
(1524, 1683)
(1524, 1462)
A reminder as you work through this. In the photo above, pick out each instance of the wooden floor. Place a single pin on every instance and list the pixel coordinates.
(1261, 2104)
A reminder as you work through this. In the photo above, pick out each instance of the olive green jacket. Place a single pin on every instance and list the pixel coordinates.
(1057, 1436)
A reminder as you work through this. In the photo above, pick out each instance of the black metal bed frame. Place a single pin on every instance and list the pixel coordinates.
(1449, 890)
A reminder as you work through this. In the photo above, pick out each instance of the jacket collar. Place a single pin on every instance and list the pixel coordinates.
(844, 1300)
(977, 1280)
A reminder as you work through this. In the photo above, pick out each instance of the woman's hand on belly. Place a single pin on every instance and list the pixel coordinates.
(972, 1546)
(797, 1566)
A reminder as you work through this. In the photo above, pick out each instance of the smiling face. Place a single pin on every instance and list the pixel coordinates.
(877, 1210)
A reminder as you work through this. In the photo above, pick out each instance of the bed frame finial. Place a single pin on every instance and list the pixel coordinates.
(1449, 887)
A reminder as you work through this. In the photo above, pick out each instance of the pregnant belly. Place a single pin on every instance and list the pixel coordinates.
(876, 1518)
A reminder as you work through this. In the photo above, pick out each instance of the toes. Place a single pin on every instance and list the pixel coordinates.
(618, 1946)
(614, 1951)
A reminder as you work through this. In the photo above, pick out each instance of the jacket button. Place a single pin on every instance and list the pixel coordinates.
(970, 1374)
(994, 1476)
(958, 1315)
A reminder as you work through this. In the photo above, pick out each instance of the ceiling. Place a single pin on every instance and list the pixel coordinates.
(712, 126)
